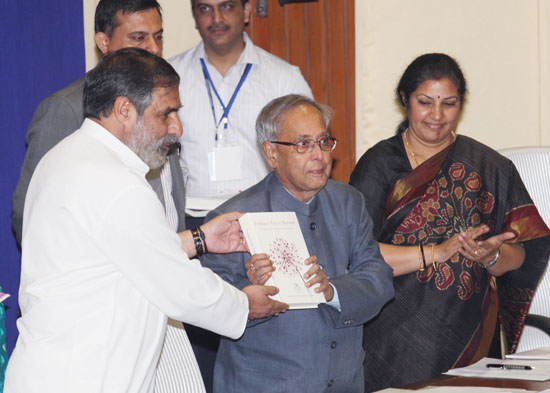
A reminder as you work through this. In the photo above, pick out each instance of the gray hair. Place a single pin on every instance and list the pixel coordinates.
(128, 72)
(275, 112)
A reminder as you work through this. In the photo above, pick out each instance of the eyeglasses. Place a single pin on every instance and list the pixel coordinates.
(326, 143)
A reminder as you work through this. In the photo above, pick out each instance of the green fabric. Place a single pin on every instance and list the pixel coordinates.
(3, 349)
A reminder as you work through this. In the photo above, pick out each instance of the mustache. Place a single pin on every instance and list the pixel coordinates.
(170, 139)
(218, 26)
(166, 143)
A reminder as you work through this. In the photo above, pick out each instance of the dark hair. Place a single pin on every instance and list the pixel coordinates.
(128, 72)
(107, 10)
(274, 114)
(430, 66)
(193, 3)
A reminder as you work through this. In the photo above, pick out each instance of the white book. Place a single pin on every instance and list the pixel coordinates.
(278, 234)
(542, 353)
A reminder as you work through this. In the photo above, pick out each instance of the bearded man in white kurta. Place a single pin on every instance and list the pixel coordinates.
(101, 268)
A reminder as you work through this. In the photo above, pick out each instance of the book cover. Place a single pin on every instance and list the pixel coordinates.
(278, 234)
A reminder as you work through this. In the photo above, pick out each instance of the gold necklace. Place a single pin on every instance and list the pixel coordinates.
(405, 137)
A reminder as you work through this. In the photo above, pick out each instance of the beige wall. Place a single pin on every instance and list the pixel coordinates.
(179, 28)
(503, 49)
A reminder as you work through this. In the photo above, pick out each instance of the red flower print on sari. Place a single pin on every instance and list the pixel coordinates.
(453, 201)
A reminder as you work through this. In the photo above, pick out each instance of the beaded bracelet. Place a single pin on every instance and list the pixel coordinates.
(203, 238)
(198, 241)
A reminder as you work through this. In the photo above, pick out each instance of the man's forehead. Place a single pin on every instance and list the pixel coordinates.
(215, 2)
(303, 121)
(163, 101)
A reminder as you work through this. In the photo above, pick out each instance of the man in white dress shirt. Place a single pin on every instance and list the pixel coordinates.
(224, 65)
(225, 82)
(101, 267)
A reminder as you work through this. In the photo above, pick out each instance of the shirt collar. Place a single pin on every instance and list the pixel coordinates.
(280, 197)
(250, 54)
(126, 155)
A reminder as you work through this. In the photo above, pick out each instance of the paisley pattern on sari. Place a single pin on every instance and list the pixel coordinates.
(447, 317)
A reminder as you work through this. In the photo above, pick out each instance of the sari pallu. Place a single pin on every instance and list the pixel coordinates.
(447, 317)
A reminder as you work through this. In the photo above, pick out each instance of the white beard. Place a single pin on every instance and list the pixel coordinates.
(152, 151)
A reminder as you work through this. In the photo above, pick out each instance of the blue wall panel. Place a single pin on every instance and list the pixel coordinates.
(41, 50)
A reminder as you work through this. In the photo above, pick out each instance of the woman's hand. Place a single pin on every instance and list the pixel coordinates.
(259, 268)
(507, 256)
(405, 259)
(451, 246)
(482, 251)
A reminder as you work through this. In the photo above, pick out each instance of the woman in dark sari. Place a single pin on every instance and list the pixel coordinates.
(457, 225)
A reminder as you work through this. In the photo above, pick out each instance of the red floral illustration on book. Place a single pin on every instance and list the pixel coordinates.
(284, 255)
(286, 259)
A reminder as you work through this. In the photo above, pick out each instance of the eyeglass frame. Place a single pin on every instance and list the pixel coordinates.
(311, 145)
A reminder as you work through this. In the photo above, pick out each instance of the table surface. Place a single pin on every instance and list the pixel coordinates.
(450, 380)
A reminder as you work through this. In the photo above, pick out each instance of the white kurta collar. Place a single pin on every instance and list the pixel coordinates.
(126, 155)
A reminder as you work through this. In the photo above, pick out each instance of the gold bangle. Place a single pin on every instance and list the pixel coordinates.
(434, 263)
(421, 257)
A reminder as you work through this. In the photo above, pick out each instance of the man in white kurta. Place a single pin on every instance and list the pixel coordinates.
(99, 278)
(101, 267)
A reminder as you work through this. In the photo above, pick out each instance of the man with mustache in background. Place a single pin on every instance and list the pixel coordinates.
(225, 81)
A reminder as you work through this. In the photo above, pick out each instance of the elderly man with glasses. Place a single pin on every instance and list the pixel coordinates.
(319, 349)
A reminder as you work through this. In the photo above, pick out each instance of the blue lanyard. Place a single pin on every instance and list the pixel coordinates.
(226, 109)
